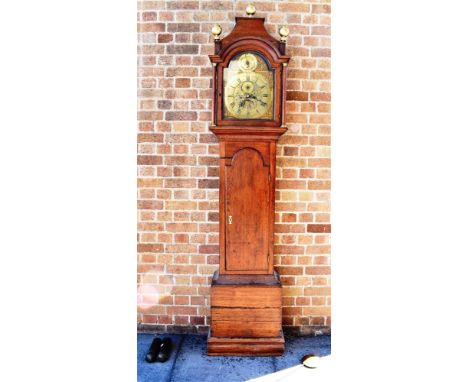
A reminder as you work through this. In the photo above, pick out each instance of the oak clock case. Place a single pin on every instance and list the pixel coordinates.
(249, 77)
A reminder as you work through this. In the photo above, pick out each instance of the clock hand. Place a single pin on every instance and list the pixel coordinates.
(240, 100)
(259, 100)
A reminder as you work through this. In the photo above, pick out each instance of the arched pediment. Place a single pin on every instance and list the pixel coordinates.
(249, 32)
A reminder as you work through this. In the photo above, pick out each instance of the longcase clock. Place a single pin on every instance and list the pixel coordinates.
(249, 77)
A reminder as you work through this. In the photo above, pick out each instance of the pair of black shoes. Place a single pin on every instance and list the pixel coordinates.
(159, 350)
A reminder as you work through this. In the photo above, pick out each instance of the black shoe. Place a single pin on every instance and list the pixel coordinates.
(165, 350)
(153, 351)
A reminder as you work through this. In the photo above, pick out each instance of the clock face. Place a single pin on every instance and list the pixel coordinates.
(248, 88)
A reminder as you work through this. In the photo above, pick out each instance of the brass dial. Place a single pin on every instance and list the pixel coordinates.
(248, 96)
(248, 62)
(248, 88)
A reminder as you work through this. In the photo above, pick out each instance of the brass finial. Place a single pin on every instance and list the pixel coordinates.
(250, 10)
(216, 31)
(284, 33)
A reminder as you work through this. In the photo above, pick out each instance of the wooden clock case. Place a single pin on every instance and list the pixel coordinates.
(246, 291)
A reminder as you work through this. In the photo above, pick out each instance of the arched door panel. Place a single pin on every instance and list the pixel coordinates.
(247, 212)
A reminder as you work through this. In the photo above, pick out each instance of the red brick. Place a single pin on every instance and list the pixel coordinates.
(317, 291)
(166, 16)
(181, 300)
(302, 301)
(145, 126)
(319, 162)
(319, 228)
(288, 239)
(288, 270)
(294, 140)
(181, 238)
(208, 183)
(181, 72)
(291, 151)
(149, 319)
(320, 97)
(151, 27)
(320, 140)
(150, 138)
(197, 320)
(178, 183)
(218, 5)
(289, 249)
(181, 269)
(318, 185)
(150, 248)
(197, 300)
(149, 16)
(294, 7)
(184, 38)
(288, 280)
(180, 160)
(213, 171)
(165, 37)
(298, 73)
(150, 226)
(290, 184)
(148, 83)
(289, 228)
(208, 161)
(307, 173)
(181, 320)
(324, 107)
(181, 310)
(165, 171)
(182, 82)
(318, 249)
(288, 217)
(294, 206)
(212, 260)
(320, 30)
(179, 4)
(321, 8)
(149, 115)
(149, 204)
(182, 49)
(289, 173)
(180, 205)
(209, 249)
(317, 270)
(182, 227)
(297, 96)
(181, 115)
(320, 75)
(317, 310)
(149, 159)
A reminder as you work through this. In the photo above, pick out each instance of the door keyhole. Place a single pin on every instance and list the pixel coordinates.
(230, 219)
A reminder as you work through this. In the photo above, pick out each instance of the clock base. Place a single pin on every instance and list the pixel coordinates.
(246, 315)
(226, 346)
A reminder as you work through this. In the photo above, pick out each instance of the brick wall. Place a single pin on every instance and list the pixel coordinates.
(177, 163)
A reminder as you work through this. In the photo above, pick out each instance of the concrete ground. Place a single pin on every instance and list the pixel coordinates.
(189, 362)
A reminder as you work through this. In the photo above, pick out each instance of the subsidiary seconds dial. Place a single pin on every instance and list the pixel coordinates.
(248, 96)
